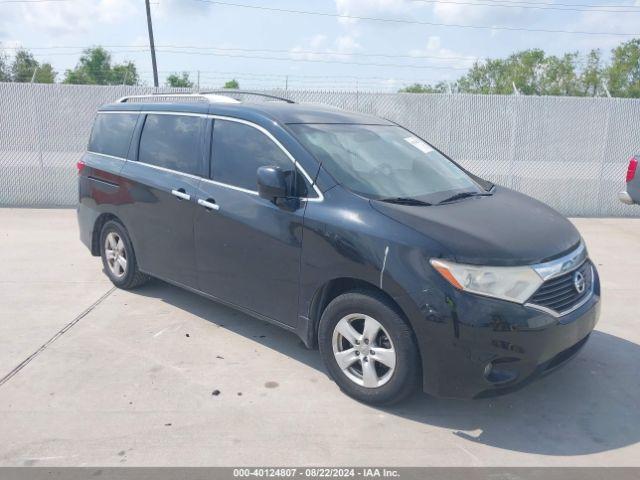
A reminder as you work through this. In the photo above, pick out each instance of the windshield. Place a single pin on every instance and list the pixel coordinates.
(384, 162)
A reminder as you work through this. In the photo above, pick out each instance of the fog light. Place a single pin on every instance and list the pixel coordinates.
(496, 371)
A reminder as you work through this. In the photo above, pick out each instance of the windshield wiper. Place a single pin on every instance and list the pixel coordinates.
(461, 195)
(406, 201)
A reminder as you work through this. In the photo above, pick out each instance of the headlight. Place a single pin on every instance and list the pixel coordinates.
(515, 284)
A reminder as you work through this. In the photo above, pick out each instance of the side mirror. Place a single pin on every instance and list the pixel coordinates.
(272, 183)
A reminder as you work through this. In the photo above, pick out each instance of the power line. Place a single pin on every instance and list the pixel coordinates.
(282, 75)
(404, 21)
(585, 7)
(498, 3)
(539, 6)
(227, 55)
(527, 2)
(309, 60)
(293, 52)
(32, 1)
(410, 22)
(283, 59)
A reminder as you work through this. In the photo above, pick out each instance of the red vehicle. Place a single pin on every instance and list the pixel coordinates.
(631, 194)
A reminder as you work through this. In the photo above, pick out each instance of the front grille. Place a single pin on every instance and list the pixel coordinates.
(560, 293)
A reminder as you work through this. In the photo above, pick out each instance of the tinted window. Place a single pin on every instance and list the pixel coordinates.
(112, 133)
(172, 141)
(238, 151)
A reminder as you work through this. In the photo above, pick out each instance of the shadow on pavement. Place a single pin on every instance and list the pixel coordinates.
(590, 405)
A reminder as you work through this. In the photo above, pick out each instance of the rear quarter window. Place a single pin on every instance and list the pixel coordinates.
(112, 132)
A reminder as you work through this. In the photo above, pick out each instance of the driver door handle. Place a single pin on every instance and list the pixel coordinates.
(209, 204)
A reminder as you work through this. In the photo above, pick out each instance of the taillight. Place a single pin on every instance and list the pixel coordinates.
(631, 170)
(80, 166)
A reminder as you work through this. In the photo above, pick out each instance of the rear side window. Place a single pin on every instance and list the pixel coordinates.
(173, 142)
(112, 133)
(238, 151)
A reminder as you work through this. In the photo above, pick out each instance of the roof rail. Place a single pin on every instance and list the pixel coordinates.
(205, 95)
(230, 91)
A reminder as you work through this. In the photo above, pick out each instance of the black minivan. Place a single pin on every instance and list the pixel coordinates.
(349, 230)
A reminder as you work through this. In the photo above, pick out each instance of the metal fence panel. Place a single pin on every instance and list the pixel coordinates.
(569, 152)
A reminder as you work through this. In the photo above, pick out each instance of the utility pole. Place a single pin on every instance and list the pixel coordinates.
(152, 46)
(198, 81)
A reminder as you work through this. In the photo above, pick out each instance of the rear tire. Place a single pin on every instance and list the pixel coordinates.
(369, 349)
(118, 257)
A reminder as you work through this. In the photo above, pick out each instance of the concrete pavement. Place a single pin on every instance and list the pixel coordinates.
(130, 380)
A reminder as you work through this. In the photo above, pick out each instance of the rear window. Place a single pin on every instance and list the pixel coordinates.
(112, 133)
(173, 142)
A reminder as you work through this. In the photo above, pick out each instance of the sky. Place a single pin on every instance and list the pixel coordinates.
(340, 47)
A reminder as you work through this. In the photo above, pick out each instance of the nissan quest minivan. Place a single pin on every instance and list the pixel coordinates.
(406, 270)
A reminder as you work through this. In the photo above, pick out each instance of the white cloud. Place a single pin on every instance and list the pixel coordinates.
(6, 19)
(347, 44)
(595, 21)
(318, 40)
(442, 56)
(166, 8)
(320, 48)
(11, 46)
(62, 18)
(376, 8)
(478, 14)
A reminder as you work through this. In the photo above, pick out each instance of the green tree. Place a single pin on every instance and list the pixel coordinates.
(24, 67)
(45, 74)
(5, 73)
(524, 69)
(530, 71)
(179, 80)
(488, 77)
(591, 77)
(559, 76)
(233, 84)
(95, 68)
(623, 74)
(124, 74)
(440, 87)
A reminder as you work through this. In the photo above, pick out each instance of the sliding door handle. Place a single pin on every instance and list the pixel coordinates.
(181, 194)
(209, 204)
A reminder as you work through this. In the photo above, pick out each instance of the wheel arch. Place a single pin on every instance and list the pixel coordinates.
(338, 286)
(97, 228)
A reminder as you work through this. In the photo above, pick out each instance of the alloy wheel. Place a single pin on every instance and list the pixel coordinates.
(116, 254)
(363, 350)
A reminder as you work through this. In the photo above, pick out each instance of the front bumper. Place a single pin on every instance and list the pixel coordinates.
(459, 334)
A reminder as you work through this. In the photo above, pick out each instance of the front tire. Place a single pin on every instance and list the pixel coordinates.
(368, 348)
(118, 257)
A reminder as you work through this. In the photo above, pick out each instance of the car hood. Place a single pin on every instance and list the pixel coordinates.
(506, 228)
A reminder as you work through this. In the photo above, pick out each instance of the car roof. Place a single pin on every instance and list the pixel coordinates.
(281, 112)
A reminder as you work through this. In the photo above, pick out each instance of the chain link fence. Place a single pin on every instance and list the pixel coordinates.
(569, 152)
